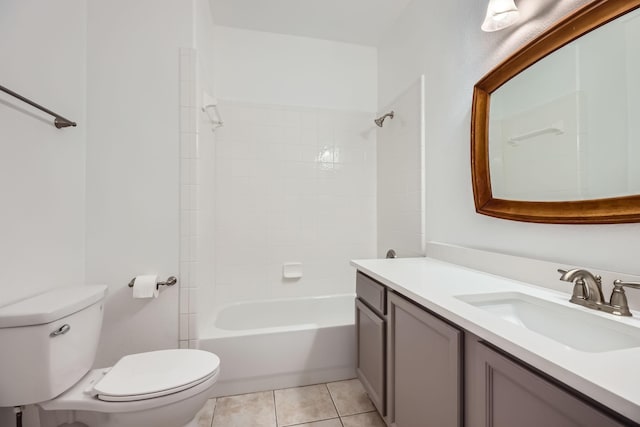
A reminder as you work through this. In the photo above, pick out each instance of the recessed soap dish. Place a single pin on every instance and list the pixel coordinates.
(292, 270)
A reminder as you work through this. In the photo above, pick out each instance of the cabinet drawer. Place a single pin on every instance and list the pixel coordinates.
(372, 293)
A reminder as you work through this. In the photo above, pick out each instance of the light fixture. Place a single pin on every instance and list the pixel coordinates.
(500, 14)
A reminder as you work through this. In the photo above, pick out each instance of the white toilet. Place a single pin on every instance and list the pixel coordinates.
(48, 344)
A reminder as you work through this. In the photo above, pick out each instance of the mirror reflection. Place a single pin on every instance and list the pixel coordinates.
(568, 127)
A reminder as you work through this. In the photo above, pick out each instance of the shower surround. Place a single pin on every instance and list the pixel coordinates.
(284, 185)
(291, 185)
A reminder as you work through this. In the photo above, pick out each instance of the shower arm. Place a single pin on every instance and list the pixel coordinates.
(380, 120)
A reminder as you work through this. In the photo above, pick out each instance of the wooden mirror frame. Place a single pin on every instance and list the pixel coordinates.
(597, 211)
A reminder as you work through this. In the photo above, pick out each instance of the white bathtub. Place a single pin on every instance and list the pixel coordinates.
(273, 344)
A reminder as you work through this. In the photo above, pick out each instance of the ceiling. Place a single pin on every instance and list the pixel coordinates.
(351, 21)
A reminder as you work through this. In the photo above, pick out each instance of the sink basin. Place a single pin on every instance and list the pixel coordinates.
(571, 327)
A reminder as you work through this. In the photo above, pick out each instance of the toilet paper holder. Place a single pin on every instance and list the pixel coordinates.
(172, 280)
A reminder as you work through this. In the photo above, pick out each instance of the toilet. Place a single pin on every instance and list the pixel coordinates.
(49, 343)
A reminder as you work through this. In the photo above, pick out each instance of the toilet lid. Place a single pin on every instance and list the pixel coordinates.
(156, 373)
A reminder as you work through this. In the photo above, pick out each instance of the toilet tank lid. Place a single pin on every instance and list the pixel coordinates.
(50, 306)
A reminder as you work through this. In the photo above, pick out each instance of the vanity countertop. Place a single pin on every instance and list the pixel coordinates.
(611, 378)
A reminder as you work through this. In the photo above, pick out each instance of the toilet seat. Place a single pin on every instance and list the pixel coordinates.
(154, 374)
(135, 397)
(83, 396)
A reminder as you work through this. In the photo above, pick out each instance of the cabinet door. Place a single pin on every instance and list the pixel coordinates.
(502, 393)
(424, 368)
(371, 354)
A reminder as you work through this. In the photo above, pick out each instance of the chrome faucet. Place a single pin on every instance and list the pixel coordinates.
(587, 291)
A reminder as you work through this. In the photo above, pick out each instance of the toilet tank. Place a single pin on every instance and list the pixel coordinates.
(48, 342)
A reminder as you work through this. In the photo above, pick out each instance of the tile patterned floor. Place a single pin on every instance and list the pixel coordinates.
(337, 404)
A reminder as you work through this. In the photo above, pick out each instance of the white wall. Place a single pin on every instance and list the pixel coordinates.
(98, 203)
(278, 69)
(42, 169)
(453, 53)
(42, 46)
(203, 41)
(399, 176)
(133, 165)
(94, 65)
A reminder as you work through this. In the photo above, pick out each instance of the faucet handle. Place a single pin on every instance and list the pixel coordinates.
(620, 284)
(618, 297)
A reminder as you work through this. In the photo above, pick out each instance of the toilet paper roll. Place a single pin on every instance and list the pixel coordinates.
(145, 286)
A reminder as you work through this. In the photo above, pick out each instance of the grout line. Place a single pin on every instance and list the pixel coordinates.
(215, 408)
(361, 413)
(275, 409)
(311, 385)
(315, 421)
(333, 401)
(242, 394)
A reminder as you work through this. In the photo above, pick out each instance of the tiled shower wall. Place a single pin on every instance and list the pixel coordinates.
(291, 185)
(189, 207)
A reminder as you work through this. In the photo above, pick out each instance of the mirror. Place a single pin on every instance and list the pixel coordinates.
(556, 127)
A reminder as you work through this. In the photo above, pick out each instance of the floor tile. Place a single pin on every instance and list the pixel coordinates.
(334, 422)
(204, 417)
(304, 405)
(349, 397)
(370, 419)
(255, 410)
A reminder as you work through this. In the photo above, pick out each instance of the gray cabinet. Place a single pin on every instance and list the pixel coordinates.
(502, 393)
(411, 364)
(424, 369)
(371, 339)
(370, 359)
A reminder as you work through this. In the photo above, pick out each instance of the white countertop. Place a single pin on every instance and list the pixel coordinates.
(611, 378)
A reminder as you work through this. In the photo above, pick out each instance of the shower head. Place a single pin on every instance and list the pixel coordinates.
(380, 120)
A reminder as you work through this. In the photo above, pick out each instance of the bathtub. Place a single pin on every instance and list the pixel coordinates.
(265, 345)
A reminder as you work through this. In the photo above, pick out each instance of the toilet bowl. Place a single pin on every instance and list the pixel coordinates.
(49, 345)
(155, 389)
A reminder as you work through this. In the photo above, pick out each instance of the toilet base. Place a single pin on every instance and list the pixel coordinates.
(166, 416)
(95, 419)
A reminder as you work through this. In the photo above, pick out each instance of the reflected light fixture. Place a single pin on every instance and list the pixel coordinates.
(500, 14)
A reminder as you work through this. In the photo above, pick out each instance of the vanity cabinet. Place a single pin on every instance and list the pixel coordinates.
(502, 393)
(371, 339)
(408, 360)
(424, 367)
(421, 370)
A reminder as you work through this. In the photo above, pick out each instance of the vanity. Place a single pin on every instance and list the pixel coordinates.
(444, 345)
